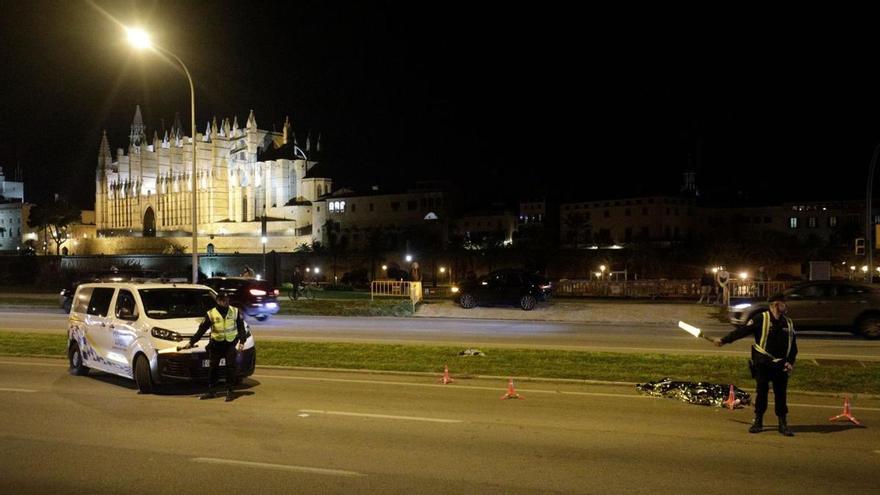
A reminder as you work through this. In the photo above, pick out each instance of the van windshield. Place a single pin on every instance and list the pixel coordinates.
(169, 303)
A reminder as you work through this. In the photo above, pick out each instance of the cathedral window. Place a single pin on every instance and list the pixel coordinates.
(337, 206)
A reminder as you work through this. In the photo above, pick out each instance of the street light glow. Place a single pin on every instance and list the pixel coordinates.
(442, 269)
(409, 258)
(138, 38)
(384, 267)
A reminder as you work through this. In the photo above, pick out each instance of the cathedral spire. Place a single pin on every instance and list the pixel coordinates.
(207, 137)
(104, 157)
(235, 126)
(318, 144)
(227, 131)
(137, 135)
(309, 142)
(252, 121)
(286, 128)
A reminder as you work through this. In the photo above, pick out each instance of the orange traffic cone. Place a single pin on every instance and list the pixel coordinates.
(511, 392)
(731, 399)
(446, 378)
(846, 414)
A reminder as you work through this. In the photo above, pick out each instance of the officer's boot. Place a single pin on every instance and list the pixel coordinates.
(229, 394)
(757, 424)
(783, 427)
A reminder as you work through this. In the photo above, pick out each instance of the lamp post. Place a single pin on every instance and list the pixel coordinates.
(141, 40)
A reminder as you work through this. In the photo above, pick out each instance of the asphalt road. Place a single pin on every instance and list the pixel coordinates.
(634, 337)
(310, 432)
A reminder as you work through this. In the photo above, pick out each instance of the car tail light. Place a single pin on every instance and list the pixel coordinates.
(257, 292)
(546, 286)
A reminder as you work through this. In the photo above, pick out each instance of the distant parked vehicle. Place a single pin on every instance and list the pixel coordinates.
(504, 287)
(256, 298)
(827, 305)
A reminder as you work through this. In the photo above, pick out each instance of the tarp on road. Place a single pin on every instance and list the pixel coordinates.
(701, 393)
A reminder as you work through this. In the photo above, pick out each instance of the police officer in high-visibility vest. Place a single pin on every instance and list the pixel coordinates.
(773, 355)
(227, 336)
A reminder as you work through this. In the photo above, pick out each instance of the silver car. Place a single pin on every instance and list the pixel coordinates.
(834, 305)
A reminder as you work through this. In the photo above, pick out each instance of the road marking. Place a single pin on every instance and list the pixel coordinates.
(832, 407)
(467, 387)
(25, 363)
(278, 467)
(17, 390)
(380, 416)
(519, 389)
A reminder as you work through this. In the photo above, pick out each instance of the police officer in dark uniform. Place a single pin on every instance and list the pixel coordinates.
(773, 356)
(227, 336)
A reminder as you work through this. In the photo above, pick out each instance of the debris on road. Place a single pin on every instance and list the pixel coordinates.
(700, 393)
(471, 352)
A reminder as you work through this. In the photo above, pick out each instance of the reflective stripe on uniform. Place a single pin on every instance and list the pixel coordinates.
(765, 331)
(223, 328)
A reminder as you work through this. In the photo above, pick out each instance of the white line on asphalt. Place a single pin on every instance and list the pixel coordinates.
(380, 416)
(278, 467)
(834, 407)
(523, 390)
(468, 387)
(17, 390)
(27, 363)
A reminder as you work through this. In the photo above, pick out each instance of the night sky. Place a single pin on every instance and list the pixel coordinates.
(506, 101)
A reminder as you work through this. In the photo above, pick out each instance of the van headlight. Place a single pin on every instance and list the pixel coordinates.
(454, 290)
(165, 334)
(742, 306)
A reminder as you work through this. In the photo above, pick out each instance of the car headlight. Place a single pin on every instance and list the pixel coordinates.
(165, 334)
(454, 290)
(742, 306)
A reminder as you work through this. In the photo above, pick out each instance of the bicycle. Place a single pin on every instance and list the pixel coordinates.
(302, 291)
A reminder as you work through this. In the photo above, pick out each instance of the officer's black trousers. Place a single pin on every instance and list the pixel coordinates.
(764, 374)
(216, 351)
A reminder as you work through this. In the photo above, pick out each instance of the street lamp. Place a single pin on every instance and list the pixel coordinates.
(409, 258)
(139, 39)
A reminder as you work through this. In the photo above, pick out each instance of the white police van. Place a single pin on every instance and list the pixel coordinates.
(134, 329)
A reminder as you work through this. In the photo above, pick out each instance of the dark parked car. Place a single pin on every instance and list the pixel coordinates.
(509, 287)
(830, 305)
(65, 297)
(256, 298)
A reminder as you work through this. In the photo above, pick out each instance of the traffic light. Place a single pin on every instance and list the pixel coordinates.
(860, 246)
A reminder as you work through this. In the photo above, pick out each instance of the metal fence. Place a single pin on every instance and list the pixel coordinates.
(656, 289)
(396, 288)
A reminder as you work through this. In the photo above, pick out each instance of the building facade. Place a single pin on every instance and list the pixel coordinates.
(242, 175)
(13, 218)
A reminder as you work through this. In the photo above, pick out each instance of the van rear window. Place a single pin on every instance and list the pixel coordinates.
(81, 304)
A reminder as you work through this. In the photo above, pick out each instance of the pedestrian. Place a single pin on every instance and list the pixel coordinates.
(706, 283)
(227, 336)
(415, 273)
(248, 272)
(296, 279)
(773, 356)
(722, 277)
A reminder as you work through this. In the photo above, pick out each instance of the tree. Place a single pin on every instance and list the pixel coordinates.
(53, 218)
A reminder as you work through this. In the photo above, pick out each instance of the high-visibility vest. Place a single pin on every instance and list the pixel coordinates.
(223, 328)
(765, 331)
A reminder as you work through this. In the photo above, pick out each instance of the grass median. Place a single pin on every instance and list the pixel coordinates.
(345, 307)
(536, 363)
